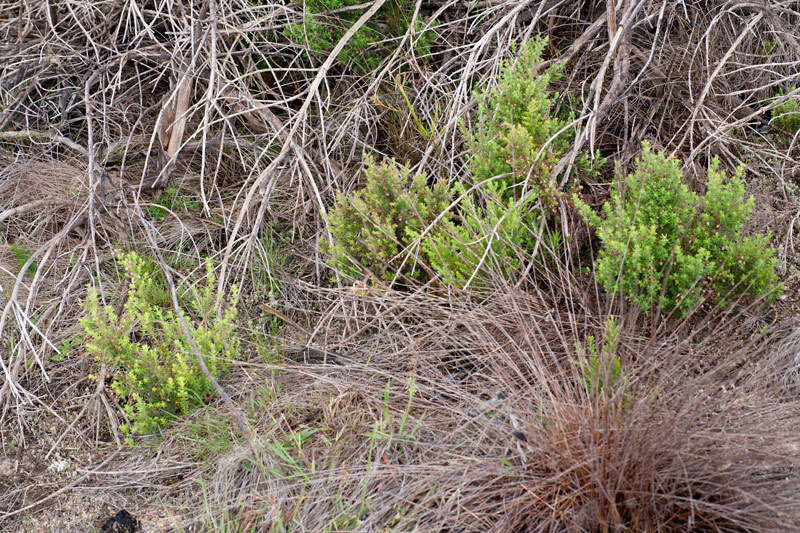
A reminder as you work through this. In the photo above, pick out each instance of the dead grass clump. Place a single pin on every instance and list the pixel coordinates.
(668, 450)
(668, 463)
(37, 196)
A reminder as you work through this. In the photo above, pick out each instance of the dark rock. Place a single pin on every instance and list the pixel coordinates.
(122, 522)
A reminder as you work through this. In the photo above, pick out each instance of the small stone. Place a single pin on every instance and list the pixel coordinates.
(122, 522)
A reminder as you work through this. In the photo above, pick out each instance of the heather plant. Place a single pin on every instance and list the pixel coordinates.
(326, 21)
(513, 122)
(745, 265)
(516, 136)
(374, 226)
(514, 142)
(153, 367)
(378, 226)
(488, 236)
(665, 247)
(493, 228)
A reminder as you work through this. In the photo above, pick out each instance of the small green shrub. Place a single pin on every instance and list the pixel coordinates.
(787, 115)
(155, 371)
(514, 143)
(515, 133)
(490, 237)
(663, 246)
(514, 121)
(320, 30)
(745, 266)
(372, 227)
(378, 226)
(22, 255)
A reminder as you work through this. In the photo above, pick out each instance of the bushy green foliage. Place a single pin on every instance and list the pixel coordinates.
(787, 115)
(513, 146)
(155, 371)
(321, 30)
(512, 140)
(382, 227)
(372, 227)
(488, 236)
(663, 246)
(517, 132)
(515, 119)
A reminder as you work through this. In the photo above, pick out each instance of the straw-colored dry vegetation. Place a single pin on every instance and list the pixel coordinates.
(400, 265)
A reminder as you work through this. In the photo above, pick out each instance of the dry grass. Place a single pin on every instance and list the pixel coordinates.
(415, 409)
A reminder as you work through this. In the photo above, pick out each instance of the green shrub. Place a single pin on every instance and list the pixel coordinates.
(22, 255)
(513, 145)
(663, 246)
(377, 228)
(170, 200)
(745, 266)
(320, 31)
(372, 227)
(154, 369)
(787, 115)
(487, 237)
(515, 120)
(493, 229)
